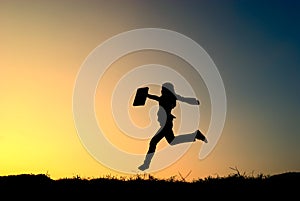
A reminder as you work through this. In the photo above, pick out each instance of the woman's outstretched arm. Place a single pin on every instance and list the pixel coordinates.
(192, 101)
(153, 97)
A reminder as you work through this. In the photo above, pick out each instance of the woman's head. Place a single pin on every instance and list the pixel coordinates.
(169, 86)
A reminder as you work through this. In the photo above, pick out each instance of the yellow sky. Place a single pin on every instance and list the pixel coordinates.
(43, 45)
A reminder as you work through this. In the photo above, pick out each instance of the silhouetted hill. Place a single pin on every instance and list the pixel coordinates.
(285, 185)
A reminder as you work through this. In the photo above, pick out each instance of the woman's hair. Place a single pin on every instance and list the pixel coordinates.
(169, 86)
(168, 98)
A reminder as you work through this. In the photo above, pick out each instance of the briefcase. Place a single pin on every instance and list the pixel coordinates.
(140, 96)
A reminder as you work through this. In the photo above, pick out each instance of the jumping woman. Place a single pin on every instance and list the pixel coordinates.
(167, 102)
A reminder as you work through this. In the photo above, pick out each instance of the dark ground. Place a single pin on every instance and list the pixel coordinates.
(42, 187)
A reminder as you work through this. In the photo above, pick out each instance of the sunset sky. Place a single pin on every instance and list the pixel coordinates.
(254, 44)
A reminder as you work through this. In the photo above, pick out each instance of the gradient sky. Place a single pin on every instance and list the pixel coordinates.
(254, 44)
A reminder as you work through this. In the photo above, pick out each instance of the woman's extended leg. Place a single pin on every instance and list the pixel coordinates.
(152, 147)
(191, 137)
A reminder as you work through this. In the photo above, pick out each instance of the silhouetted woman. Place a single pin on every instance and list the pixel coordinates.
(167, 102)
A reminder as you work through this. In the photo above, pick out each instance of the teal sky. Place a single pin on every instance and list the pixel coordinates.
(254, 44)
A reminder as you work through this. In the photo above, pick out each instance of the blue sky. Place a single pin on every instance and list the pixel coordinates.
(254, 44)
